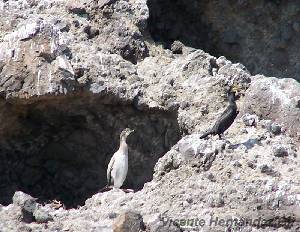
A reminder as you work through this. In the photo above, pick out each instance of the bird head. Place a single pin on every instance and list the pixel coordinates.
(127, 131)
(234, 88)
(233, 91)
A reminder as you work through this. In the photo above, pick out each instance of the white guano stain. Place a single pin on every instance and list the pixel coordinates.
(38, 82)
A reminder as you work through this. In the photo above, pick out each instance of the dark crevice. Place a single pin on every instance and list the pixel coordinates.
(59, 148)
(261, 34)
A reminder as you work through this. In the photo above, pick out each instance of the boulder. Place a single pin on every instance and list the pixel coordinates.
(27, 204)
(276, 100)
(128, 222)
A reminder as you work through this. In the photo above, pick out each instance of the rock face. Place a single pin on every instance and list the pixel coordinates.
(74, 73)
(260, 34)
(275, 99)
(129, 222)
(64, 109)
(27, 204)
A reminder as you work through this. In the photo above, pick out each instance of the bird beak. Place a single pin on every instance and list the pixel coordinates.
(131, 131)
(235, 88)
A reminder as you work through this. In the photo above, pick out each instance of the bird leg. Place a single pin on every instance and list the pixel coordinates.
(105, 189)
(128, 190)
(108, 188)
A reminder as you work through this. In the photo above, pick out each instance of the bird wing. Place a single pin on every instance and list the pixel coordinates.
(222, 119)
(226, 113)
(109, 169)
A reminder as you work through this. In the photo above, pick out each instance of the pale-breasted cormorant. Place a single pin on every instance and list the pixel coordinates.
(118, 165)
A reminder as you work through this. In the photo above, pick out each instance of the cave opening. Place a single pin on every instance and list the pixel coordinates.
(59, 148)
(260, 34)
(181, 20)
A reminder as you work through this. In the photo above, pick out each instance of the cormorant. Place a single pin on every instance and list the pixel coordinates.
(226, 119)
(118, 165)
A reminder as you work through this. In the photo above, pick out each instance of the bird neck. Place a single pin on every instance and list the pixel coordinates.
(233, 105)
(231, 100)
(123, 146)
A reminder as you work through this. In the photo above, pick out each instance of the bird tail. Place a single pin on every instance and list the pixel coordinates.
(207, 133)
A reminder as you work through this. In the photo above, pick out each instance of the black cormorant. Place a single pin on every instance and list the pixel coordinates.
(226, 119)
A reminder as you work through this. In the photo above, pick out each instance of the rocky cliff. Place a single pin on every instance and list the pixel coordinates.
(262, 34)
(74, 73)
